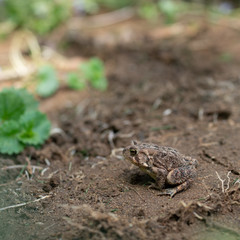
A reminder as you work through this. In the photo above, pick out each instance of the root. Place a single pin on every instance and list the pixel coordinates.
(25, 203)
(19, 166)
(223, 181)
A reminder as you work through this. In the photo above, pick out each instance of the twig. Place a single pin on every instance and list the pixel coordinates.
(27, 175)
(19, 166)
(47, 162)
(51, 174)
(111, 136)
(70, 166)
(223, 180)
(125, 135)
(114, 151)
(24, 204)
(33, 170)
(105, 19)
(237, 181)
(198, 216)
(186, 205)
(99, 162)
(228, 182)
(57, 130)
(204, 206)
(19, 66)
(44, 170)
(49, 226)
(29, 166)
(208, 144)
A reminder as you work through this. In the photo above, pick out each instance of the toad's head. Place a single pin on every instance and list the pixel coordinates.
(137, 153)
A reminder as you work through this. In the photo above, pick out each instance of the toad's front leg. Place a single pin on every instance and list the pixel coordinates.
(159, 175)
(182, 177)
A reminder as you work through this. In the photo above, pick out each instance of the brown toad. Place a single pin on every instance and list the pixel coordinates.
(164, 164)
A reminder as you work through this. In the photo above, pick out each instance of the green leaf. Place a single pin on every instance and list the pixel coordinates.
(20, 122)
(93, 70)
(11, 105)
(169, 9)
(35, 128)
(76, 82)
(8, 138)
(148, 11)
(100, 83)
(28, 99)
(226, 57)
(90, 6)
(47, 81)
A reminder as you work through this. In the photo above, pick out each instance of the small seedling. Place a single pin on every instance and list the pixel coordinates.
(94, 72)
(148, 11)
(75, 82)
(47, 82)
(91, 71)
(164, 127)
(226, 57)
(21, 124)
(114, 210)
(171, 9)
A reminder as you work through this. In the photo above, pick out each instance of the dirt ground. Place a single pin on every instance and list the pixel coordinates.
(179, 90)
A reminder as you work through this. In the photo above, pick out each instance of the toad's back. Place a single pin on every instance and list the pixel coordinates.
(165, 157)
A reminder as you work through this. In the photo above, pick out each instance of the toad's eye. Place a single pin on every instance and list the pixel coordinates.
(133, 152)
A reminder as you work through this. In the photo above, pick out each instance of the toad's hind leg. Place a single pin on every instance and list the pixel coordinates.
(182, 177)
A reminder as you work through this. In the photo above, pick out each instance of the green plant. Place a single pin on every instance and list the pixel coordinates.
(21, 124)
(40, 16)
(92, 71)
(74, 81)
(47, 82)
(148, 11)
(226, 57)
(169, 10)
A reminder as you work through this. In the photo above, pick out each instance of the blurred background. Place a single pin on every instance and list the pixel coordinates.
(39, 33)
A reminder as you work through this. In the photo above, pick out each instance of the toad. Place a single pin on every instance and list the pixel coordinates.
(164, 164)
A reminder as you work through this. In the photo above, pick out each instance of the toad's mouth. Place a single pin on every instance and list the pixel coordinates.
(137, 163)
